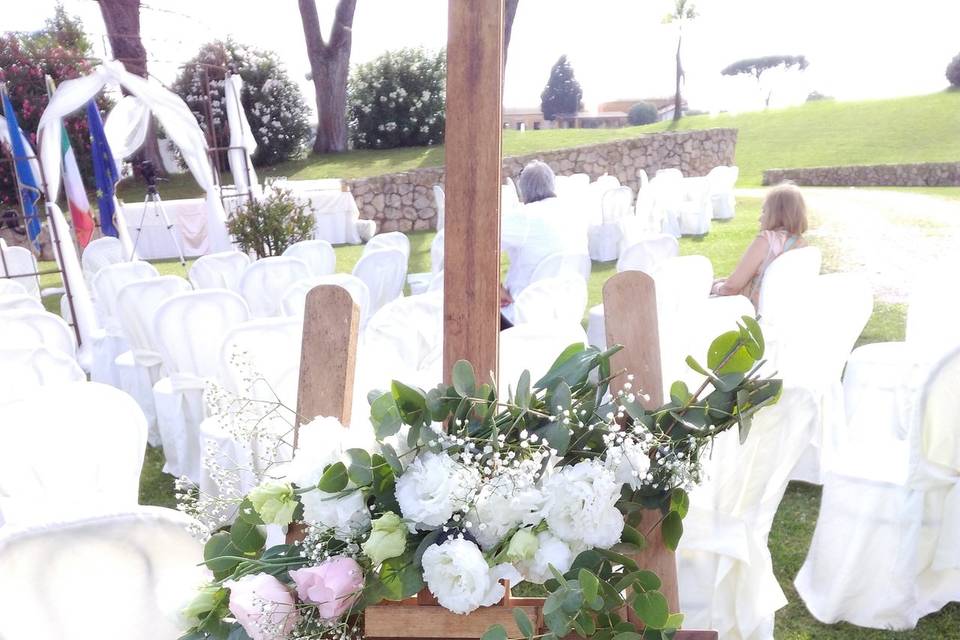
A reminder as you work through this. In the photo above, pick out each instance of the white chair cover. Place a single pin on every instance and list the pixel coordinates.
(725, 570)
(667, 196)
(20, 260)
(604, 183)
(295, 297)
(436, 253)
(560, 299)
(147, 554)
(9, 286)
(100, 253)
(142, 366)
(264, 282)
(673, 174)
(390, 240)
(559, 264)
(437, 283)
(189, 329)
(219, 270)
(604, 239)
(32, 328)
(534, 347)
(696, 210)
(440, 200)
(509, 198)
(70, 450)
(26, 368)
(318, 254)
(788, 272)
(722, 181)
(885, 552)
(646, 254)
(16, 301)
(383, 271)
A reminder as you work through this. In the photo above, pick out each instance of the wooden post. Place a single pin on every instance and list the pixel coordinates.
(471, 302)
(630, 310)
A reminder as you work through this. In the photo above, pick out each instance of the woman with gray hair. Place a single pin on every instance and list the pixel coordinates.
(544, 225)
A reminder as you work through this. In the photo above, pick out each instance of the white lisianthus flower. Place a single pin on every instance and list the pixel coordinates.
(433, 487)
(551, 550)
(347, 515)
(458, 576)
(506, 501)
(628, 462)
(580, 505)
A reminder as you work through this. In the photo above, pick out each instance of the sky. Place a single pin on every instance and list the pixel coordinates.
(619, 49)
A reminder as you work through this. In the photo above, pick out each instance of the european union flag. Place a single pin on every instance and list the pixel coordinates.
(104, 170)
(29, 191)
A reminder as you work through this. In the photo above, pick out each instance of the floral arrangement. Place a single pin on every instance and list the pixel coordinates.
(465, 494)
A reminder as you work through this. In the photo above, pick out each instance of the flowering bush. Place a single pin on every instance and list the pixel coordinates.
(544, 487)
(272, 102)
(398, 100)
(268, 226)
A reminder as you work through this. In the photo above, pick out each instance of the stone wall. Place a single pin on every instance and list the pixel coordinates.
(931, 174)
(404, 201)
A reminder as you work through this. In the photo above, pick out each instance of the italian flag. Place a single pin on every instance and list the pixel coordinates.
(76, 196)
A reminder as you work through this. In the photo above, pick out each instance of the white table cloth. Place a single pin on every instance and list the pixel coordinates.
(188, 217)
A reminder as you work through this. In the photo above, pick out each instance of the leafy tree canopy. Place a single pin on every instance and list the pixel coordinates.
(562, 95)
(756, 66)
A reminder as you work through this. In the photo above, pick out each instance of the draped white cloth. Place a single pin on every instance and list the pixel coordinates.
(149, 230)
(242, 142)
(176, 118)
(26, 368)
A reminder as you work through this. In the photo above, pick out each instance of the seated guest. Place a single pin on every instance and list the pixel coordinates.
(544, 225)
(783, 220)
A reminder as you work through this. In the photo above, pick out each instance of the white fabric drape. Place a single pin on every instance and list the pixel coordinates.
(126, 126)
(177, 120)
(242, 142)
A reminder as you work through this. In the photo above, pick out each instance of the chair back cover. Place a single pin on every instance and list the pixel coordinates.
(646, 254)
(787, 273)
(559, 299)
(32, 328)
(100, 253)
(20, 301)
(70, 450)
(219, 270)
(509, 199)
(534, 347)
(402, 334)
(189, 329)
(137, 306)
(559, 264)
(436, 253)
(20, 260)
(933, 310)
(440, 200)
(680, 282)
(264, 282)
(318, 254)
(436, 284)
(389, 240)
(642, 177)
(616, 203)
(939, 407)
(25, 368)
(109, 280)
(266, 350)
(295, 297)
(669, 174)
(9, 286)
(146, 554)
(384, 271)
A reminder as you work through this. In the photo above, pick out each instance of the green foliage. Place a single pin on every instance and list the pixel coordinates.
(272, 102)
(757, 66)
(398, 100)
(642, 113)
(270, 225)
(562, 95)
(953, 71)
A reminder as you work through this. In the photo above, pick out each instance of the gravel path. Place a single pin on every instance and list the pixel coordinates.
(886, 235)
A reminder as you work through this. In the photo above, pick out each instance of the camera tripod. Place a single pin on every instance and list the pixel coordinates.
(153, 197)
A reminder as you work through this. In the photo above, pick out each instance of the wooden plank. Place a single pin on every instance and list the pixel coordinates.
(328, 357)
(472, 185)
(385, 621)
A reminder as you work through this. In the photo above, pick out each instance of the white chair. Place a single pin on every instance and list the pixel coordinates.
(20, 301)
(437, 283)
(646, 254)
(189, 329)
(295, 297)
(32, 328)
(219, 270)
(99, 435)
(440, 200)
(148, 554)
(509, 199)
(101, 253)
(582, 180)
(391, 240)
(724, 566)
(26, 368)
(604, 239)
(605, 182)
(402, 335)
(10, 287)
(264, 282)
(722, 182)
(384, 272)
(558, 299)
(696, 209)
(885, 552)
(142, 366)
(318, 254)
(533, 347)
(788, 272)
(667, 196)
(559, 264)
(21, 267)
(672, 174)
(437, 253)
(420, 282)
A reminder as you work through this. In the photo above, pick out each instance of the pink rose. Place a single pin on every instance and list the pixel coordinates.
(263, 606)
(333, 586)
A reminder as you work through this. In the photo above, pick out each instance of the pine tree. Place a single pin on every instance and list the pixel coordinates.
(562, 95)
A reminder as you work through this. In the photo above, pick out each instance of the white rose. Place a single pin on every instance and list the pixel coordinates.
(321, 443)
(503, 503)
(580, 505)
(551, 551)
(347, 515)
(433, 487)
(458, 576)
(629, 463)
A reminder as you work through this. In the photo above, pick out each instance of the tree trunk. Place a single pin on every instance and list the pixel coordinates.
(329, 68)
(122, 19)
(509, 13)
(676, 99)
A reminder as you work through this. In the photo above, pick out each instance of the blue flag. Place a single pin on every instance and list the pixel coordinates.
(29, 191)
(104, 170)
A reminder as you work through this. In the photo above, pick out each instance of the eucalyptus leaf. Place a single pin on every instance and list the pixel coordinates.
(680, 502)
(728, 355)
(246, 512)
(390, 455)
(464, 378)
(523, 390)
(219, 545)
(631, 536)
(523, 623)
(400, 578)
(755, 346)
(246, 537)
(696, 366)
(496, 632)
(651, 607)
(385, 416)
(679, 392)
(360, 472)
(672, 529)
(589, 584)
(334, 478)
(412, 403)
